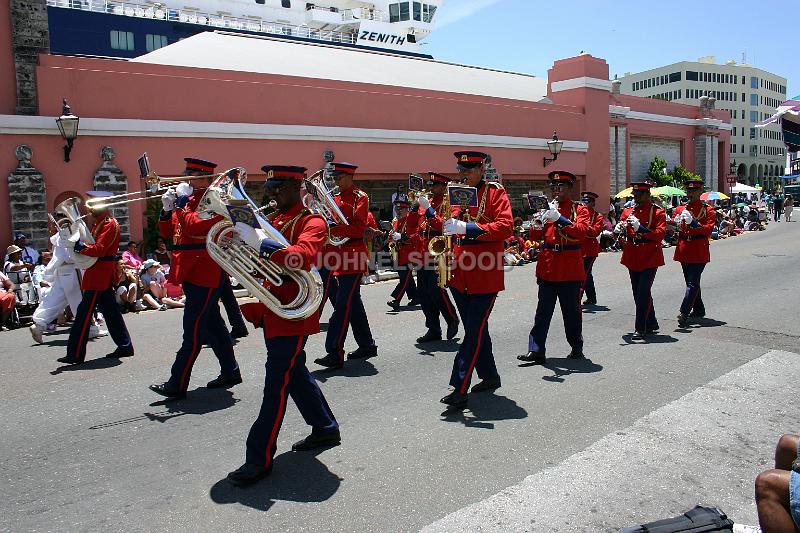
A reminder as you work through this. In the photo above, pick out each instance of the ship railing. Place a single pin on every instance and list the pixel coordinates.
(161, 12)
(363, 13)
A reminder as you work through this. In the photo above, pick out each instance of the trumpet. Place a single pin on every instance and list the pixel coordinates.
(154, 184)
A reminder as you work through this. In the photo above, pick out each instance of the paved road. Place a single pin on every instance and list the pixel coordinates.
(637, 432)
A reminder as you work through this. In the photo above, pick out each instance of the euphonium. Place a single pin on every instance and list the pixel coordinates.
(319, 197)
(70, 208)
(244, 263)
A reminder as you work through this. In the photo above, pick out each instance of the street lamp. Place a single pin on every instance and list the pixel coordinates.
(554, 145)
(68, 126)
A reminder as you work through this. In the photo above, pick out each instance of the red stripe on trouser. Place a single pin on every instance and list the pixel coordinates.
(446, 301)
(195, 345)
(81, 355)
(477, 348)
(282, 405)
(650, 302)
(346, 320)
(403, 288)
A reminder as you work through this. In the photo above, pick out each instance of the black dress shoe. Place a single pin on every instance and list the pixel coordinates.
(452, 330)
(239, 333)
(536, 358)
(487, 384)
(329, 361)
(394, 304)
(430, 336)
(164, 389)
(318, 440)
(415, 301)
(67, 360)
(455, 399)
(683, 320)
(576, 354)
(698, 314)
(248, 473)
(122, 351)
(363, 353)
(590, 301)
(652, 329)
(223, 382)
(638, 335)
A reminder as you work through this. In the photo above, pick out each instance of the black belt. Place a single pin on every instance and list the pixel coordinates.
(463, 242)
(107, 258)
(691, 237)
(433, 233)
(181, 247)
(560, 247)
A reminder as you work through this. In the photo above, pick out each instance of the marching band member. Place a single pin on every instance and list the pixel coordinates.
(591, 248)
(405, 241)
(97, 284)
(434, 299)
(478, 275)
(559, 268)
(350, 262)
(201, 278)
(286, 372)
(644, 225)
(695, 221)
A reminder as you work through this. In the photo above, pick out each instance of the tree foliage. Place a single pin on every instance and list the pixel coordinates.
(680, 175)
(657, 173)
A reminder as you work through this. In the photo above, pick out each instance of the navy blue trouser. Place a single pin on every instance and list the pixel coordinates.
(405, 285)
(330, 287)
(642, 283)
(79, 333)
(588, 284)
(692, 299)
(202, 323)
(568, 294)
(434, 300)
(475, 352)
(348, 310)
(235, 317)
(286, 375)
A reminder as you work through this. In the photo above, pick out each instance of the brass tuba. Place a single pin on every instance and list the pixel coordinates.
(319, 198)
(71, 208)
(244, 263)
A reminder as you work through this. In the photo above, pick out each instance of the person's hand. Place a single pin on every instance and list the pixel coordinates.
(677, 218)
(64, 233)
(184, 189)
(551, 215)
(455, 227)
(687, 216)
(168, 199)
(249, 235)
(397, 237)
(424, 203)
(620, 227)
(634, 222)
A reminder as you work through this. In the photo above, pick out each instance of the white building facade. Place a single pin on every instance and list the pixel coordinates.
(748, 93)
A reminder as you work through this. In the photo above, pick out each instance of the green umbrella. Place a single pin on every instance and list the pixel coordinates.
(668, 190)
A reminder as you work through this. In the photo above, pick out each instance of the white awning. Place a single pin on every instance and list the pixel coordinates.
(741, 187)
(265, 55)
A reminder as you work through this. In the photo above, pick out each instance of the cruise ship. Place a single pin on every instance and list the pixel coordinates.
(122, 29)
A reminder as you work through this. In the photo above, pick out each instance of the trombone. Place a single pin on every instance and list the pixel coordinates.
(154, 184)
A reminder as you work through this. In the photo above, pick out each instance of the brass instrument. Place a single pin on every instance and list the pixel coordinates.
(244, 263)
(154, 184)
(71, 209)
(441, 248)
(319, 198)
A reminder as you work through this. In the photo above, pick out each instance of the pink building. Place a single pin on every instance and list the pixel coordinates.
(247, 101)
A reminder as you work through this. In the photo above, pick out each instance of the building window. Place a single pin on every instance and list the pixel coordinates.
(753, 82)
(428, 11)
(417, 11)
(752, 133)
(122, 40)
(154, 42)
(691, 75)
(286, 3)
(394, 12)
(753, 116)
(753, 99)
(675, 76)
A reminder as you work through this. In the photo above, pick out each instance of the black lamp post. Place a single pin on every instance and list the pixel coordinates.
(68, 126)
(554, 145)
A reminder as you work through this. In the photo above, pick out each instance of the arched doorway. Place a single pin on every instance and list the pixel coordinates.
(751, 179)
(741, 172)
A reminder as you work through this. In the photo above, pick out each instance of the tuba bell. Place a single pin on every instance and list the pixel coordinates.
(71, 208)
(243, 262)
(319, 198)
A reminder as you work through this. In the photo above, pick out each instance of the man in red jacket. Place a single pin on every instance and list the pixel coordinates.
(478, 274)
(406, 243)
(96, 287)
(201, 279)
(348, 263)
(559, 269)
(286, 372)
(644, 225)
(591, 248)
(695, 222)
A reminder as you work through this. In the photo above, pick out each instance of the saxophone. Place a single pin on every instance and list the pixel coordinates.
(441, 248)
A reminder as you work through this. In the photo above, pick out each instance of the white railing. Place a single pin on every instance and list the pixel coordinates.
(158, 12)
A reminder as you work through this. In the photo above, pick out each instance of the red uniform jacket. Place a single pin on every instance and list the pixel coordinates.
(561, 255)
(103, 273)
(187, 231)
(431, 224)
(479, 267)
(591, 248)
(693, 245)
(642, 251)
(408, 250)
(306, 233)
(351, 257)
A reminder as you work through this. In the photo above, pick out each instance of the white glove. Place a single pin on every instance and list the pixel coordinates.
(184, 189)
(249, 235)
(551, 215)
(620, 227)
(168, 199)
(424, 203)
(687, 216)
(64, 233)
(455, 227)
(634, 222)
(396, 237)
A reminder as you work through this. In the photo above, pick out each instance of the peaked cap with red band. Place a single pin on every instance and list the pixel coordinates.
(199, 165)
(468, 159)
(560, 176)
(344, 168)
(435, 177)
(641, 185)
(589, 195)
(694, 184)
(283, 172)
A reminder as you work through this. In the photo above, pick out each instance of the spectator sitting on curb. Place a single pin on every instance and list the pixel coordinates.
(7, 300)
(126, 288)
(162, 255)
(175, 297)
(19, 272)
(778, 490)
(152, 280)
(131, 257)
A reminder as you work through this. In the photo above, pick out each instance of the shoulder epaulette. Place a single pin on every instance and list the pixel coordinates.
(495, 184)
(359, 192)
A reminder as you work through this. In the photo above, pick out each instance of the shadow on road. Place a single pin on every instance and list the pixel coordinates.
(92, 364)
(589, 309)
(562, 367)
(357, 368)
(698, 323)
(652, 338)
(296, 477)
(483, 408)
(52, 343)
(430, 348)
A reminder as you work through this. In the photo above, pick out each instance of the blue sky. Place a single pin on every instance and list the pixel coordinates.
(528, 35)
